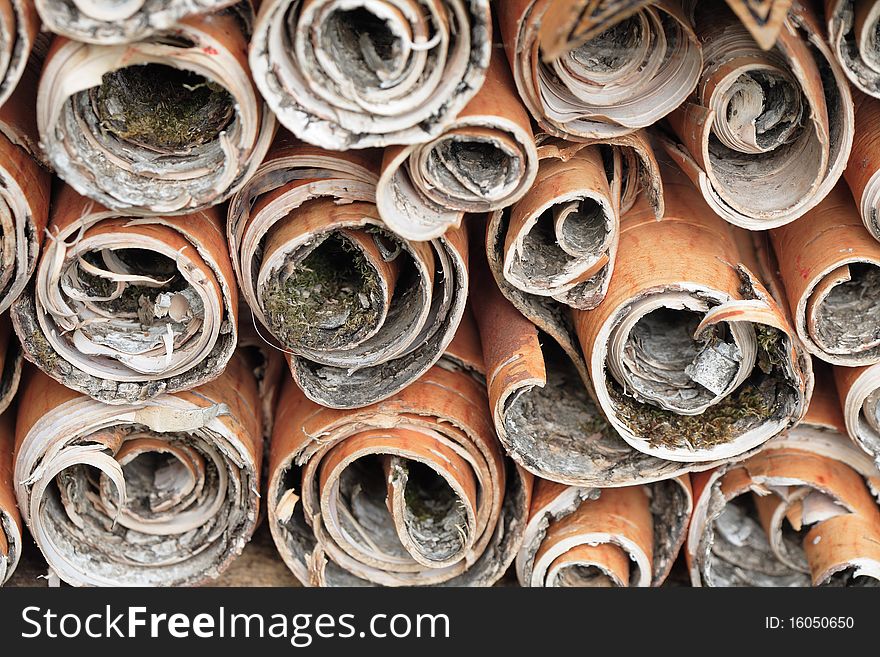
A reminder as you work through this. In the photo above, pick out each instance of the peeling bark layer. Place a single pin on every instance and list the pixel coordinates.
(691, 357)
(559, 243)
(370, 72)
(582, 537)
(10, 363)
(19, 31)
(171, 124)
(359, 311)
(767, 134)
(24, 196)
(124, 309)
(803, 511)
(833, 292)
(10, 520)
(853, 28)
(414, 491)
(158, 494)
(627, 77)
(482, 161)
(105, 23)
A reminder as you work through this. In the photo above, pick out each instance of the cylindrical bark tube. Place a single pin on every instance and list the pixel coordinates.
(801, 512)
(414, 491)
(24, 197)
(167, 125)
(359, 311)
(158, 494)
(587, 537)
(830, 266)
(862, 173)
(854, 35)
(559, 243)
(691, 357)
(123, 309)
(767, 134)
(104, 22)
(19, 29)
(10, 520)
(625, 78)
(859, 390)
(484, 160)
(360, 73)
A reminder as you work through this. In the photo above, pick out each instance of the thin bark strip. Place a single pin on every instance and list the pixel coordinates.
(19, 32)
(853, 29)
(364, 73)
(803, 511)
(830, 266)
(414, 491)
(10, 520)
(583, 537)
(484, 160)
(105, 22)
(123, 309)
(862, 173)
(171, 124)
(626, 77)
(767, 134)
(158, 494)
(359, 311)
(559, 243)
(690, 356)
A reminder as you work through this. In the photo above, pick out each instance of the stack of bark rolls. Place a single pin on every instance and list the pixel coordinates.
(442, 292)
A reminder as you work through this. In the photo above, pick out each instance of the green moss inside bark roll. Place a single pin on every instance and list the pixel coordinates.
(162, 107)
(330, 298)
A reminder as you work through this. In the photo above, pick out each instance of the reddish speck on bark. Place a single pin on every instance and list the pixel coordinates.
(210, 50)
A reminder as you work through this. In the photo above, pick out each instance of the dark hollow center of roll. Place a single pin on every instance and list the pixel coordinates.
(584, 230)
(362, 45)
(849, 317)
(610, 50)
(584, 576)
(329, 297)
(161, 107)
(153, 479)
(435, 516)
(476, 166)
(667, 364)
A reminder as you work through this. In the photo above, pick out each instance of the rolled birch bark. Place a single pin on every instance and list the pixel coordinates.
(24, 197)
(360, 312)
(853, 28)
(586, 537)
(859, 390)
(559, 243)
(106, 23)
(627, 77)
(763, 18)
(10, 363)
(10, 520)
(831, 269)
(19, 30)
(803, 511)
(482, 161)
(125, 309)
(768, 133)
(158, 494)
(414, 491)
(171, 124)
(691, 357)
(365, 73)
(862, 173)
